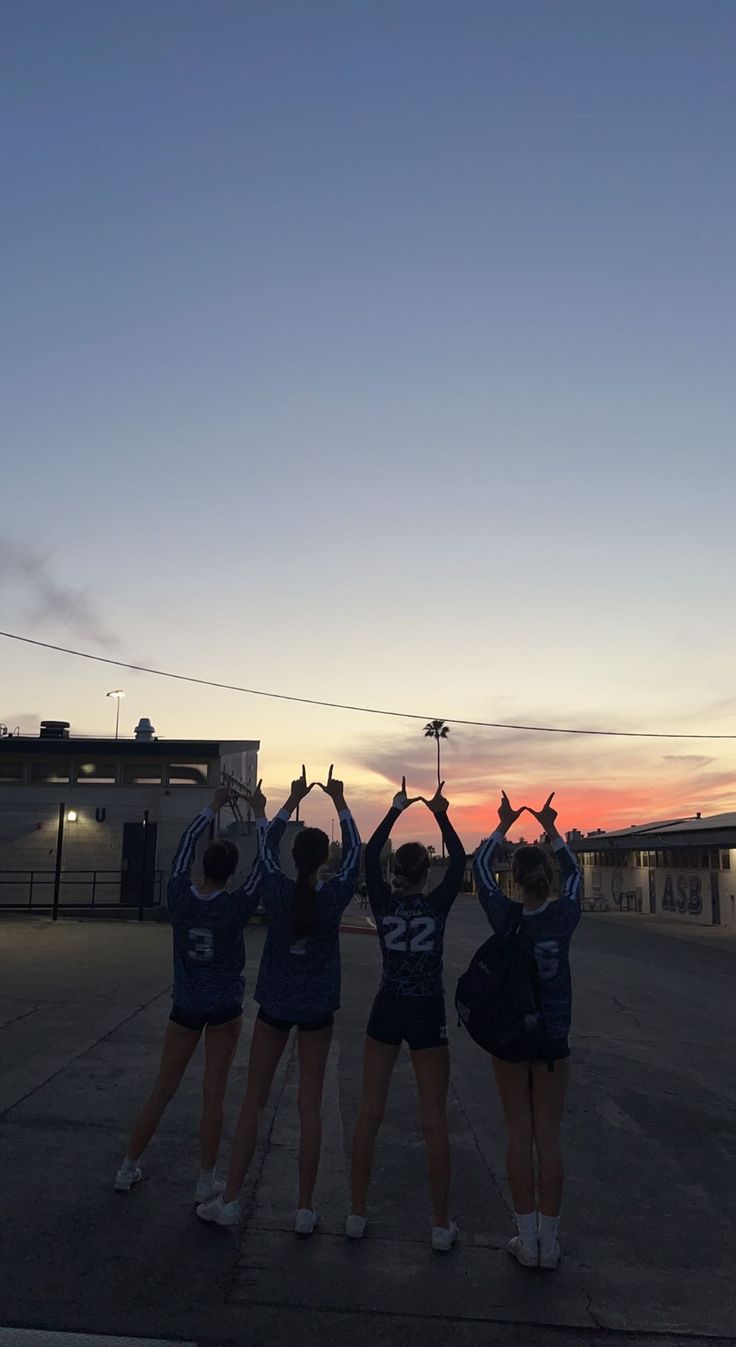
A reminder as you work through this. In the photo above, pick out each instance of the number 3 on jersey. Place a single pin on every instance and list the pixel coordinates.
(409, 937)
(201, 945)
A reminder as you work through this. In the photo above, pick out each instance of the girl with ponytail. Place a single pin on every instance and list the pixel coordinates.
(533, 1092)
(298, 986)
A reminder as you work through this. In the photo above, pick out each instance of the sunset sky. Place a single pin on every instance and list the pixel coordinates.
(380, 353)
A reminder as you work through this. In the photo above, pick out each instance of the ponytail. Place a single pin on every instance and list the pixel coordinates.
(532, 871)
(310, 851)
(411, 866)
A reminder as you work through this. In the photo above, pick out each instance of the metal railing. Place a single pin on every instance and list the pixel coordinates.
(95, 881)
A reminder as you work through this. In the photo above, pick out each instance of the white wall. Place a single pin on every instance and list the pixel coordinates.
(728, 895)
(682, 893)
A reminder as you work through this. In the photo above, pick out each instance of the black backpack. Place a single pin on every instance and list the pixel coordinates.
(497, 998)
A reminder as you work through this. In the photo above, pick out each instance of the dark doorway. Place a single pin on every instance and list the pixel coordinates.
(652, 891)
(139, 863)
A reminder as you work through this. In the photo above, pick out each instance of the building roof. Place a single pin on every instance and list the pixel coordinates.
(84, 746)
(712, 827)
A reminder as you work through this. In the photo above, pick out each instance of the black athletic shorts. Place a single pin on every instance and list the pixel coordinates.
(196, 1020)
(307, 1026)
(420, 1020)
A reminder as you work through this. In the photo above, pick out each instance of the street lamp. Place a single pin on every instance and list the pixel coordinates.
(116, 693)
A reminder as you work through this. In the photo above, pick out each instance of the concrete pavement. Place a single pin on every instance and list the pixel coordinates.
(651, 1142)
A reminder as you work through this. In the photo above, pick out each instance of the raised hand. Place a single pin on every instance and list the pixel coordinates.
(506, 812)
(334, 788)
(222, 796)
(401, 799)
(547, 816)
(257, 800)
(300, 788)
(438, 804)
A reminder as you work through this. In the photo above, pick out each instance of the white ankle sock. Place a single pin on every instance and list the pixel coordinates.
(526, 1224)
(129, 1165)
(548, 1227)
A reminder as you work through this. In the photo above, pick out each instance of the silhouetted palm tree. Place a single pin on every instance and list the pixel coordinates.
(437, 729)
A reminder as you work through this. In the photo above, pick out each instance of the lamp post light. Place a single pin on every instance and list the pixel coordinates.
(116, 694)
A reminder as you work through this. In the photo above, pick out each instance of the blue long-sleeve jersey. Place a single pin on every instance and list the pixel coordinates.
(411, 928)
(550, 927)
(209, 945)
(299, 977)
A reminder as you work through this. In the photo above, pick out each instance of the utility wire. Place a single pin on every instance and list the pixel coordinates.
(345, 706)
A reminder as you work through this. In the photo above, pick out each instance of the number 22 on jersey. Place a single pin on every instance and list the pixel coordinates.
(415, 936)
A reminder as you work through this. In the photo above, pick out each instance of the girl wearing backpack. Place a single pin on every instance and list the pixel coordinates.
(298, 986)
(410, 1005)
(533, 1091)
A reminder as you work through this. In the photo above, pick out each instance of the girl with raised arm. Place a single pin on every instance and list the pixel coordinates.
(298, 985)
(410, 1005)
(533, 1091)
(207, 922)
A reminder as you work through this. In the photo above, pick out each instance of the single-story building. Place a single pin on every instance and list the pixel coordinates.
(675, 868)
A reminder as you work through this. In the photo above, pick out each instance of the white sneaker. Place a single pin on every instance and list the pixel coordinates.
(551, 1256)
(219, 1212)
(126, 1177)
(204, 1192)
(443, 1237)
(355, 1226)
(306, 1221)
(524, 1253)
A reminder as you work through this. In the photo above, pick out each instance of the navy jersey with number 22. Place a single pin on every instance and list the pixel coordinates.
(411, 927)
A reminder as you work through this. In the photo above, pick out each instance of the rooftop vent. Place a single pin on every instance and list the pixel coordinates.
(54, 729)
(144, 731)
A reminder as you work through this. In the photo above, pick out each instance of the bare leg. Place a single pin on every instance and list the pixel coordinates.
(514, 1086)
(378, 1063)
(266, 1048)
(221, 1041)
(432, 1071)
(314, 1047)
(176, 1054)
(548, 1101)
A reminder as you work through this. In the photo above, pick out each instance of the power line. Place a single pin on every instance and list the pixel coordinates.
(345, 706)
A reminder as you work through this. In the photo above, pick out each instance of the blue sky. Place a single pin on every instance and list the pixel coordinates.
(381, 352)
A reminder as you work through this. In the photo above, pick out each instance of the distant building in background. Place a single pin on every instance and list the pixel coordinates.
(675, 868)
(126, 802)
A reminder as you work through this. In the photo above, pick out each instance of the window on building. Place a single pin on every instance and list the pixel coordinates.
(10, 772)
(187, 774)
(51, 773)
(97, 774)
(141, 774)
(714, 860)
(725, 860)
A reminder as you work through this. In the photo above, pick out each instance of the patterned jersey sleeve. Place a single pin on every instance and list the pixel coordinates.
(248, 895)
(447, 890)
(272, 876)
(571, 882)
(375, 883)
(342, 887)
(181, 866)
(497, 907)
